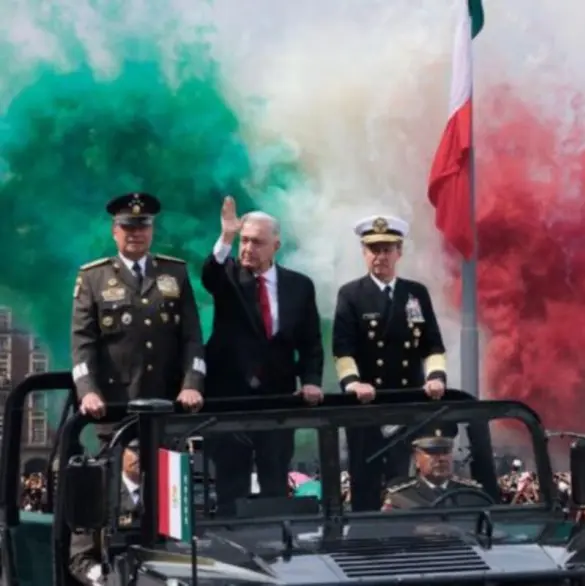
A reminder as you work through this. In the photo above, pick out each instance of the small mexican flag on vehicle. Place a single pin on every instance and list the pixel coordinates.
(174, 495)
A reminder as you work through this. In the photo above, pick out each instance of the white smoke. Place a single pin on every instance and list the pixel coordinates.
(359, 89)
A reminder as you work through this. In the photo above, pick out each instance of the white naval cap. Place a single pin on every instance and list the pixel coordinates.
(381, 229)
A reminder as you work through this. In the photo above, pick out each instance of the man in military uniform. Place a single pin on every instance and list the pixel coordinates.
(85, 552)
(433, 456)
(385, 336)
(135, 327)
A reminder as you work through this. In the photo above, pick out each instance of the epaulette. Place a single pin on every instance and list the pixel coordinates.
(467, 481)
(401, 486)
(169, 258)
(96, 263)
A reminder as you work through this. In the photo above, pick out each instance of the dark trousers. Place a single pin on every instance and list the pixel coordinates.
(367, 479)
(234, 456)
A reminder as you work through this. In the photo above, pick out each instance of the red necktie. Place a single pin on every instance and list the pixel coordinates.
(264, 302)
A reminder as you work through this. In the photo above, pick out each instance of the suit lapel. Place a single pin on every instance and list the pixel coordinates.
(149, 276)
(124, 273)
(284, 298)
(248, 285)
(376, 296)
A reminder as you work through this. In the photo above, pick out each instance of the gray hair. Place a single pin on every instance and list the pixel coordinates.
(263, 217)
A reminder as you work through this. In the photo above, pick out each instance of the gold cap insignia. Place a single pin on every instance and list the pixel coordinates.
(380, 225)
(438, 433)
(108, 321)
(136, 209)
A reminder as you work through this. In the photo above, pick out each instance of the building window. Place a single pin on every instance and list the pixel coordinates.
(38, 363)
(35, 344)
(5, 318)
(37, 430)
(5, 342)
(5, 368)
(37, 403)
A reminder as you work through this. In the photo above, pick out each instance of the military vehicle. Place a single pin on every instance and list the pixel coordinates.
(301, 541)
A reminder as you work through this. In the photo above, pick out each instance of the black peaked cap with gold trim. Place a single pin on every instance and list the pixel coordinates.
(134, 209)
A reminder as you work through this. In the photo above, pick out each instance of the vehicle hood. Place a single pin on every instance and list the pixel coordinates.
(441, 552)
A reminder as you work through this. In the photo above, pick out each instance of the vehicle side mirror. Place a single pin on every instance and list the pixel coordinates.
(578, 472)
(86, 489)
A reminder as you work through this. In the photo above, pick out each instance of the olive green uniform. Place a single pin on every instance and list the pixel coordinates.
(131, 340)
(418, 492)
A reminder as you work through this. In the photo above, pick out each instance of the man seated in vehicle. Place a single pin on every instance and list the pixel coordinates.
(433, 457)
(85, 551)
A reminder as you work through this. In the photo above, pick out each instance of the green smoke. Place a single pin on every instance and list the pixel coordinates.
(69, 141)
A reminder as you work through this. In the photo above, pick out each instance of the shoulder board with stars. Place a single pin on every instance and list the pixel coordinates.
(95, 263)
(169, 258)
(401, 486)
(467, 481)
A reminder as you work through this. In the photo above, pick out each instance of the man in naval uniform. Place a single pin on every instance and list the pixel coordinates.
(135, 326)
(85, 551)
(433, 456)
(385, 336)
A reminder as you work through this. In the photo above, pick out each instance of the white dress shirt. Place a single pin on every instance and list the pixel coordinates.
(221, 251)
(443, 485)
(383, 286)
(130, 263)
(132, 488)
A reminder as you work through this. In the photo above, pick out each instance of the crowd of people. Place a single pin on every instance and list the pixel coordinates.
(33, 492)
(517, 487)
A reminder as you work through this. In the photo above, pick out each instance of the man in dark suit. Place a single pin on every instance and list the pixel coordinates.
(86, 548)
(266, 337)
(433, 457)
(385, 336)
(135, 325)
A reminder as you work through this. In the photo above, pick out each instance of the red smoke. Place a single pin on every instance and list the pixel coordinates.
(531, 268)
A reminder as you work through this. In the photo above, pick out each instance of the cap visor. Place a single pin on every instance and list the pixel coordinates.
(135, 221)
(376, 238)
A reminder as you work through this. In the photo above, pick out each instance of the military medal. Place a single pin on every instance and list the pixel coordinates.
(165, 317)
(126, 319)
(413, 310)
(108, 321)
(373, 323)
(416, 332)
(112, 282)
(371, 335)
(177, 318)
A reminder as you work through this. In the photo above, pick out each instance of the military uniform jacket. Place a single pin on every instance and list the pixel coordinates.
(416, 492)
(129, 343)
(390, 346)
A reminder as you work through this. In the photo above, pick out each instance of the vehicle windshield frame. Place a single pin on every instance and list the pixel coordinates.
(336, 411)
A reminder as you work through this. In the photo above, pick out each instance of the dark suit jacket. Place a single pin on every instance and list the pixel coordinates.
(399, 348)
(240, 359)
(129, 343)
(85, 549)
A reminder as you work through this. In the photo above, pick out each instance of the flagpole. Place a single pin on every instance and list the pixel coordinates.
(469, 314)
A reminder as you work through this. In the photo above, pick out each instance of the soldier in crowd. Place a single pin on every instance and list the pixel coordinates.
(385, 336)
(433, 457)
(135, 327)
(86, 547)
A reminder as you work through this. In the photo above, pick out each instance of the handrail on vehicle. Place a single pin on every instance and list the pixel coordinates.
(63, 381)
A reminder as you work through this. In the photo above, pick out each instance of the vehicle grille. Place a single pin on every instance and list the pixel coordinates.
(369, 558)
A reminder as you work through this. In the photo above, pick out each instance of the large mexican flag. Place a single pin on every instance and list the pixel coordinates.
(450, 180)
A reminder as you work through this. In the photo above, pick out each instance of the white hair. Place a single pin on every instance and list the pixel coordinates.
(259, 216)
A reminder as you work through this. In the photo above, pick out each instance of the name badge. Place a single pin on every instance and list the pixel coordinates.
(168, 286)
(369, 316)
(114, 294)
(413, 310)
